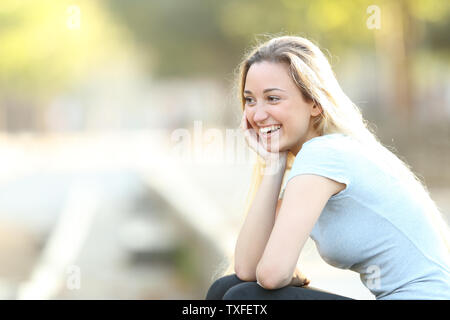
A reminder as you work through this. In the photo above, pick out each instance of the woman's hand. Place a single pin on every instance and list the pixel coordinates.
(299, 279)
(272, 160)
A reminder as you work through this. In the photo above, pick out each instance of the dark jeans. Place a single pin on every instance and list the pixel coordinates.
(230, 287)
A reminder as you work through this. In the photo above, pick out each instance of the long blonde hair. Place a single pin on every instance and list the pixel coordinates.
(312, 73)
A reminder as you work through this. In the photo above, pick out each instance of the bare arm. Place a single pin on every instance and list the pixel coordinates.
(304, 199)
(299, 279)
(258, 225)
(261, 217)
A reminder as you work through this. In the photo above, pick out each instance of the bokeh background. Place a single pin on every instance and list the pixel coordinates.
(118, 170)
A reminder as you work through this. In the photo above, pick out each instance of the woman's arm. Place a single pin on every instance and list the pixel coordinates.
(258, 224)
(304, 199)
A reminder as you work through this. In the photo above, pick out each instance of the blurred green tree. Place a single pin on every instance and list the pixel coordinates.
(42, 50)
(47, 45)
(209, 36)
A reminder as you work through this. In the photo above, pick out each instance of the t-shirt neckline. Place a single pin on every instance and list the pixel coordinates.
(325, 135)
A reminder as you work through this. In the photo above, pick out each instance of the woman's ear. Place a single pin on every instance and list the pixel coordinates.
(315, 109)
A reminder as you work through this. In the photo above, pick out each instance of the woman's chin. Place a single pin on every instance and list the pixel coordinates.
(273, 145)
(276, 148)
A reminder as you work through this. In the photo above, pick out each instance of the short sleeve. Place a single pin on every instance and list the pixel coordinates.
(325, 157)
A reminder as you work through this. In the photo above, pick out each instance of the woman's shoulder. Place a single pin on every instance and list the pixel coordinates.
(335, 151)
(330, 138)
(333, 144)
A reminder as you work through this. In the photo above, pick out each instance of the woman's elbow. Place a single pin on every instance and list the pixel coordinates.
(270, 279)
(244, 274)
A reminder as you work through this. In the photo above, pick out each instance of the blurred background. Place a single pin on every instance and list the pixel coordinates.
(122, 174)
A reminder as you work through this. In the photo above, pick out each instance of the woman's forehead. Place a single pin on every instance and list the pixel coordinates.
(265, 75)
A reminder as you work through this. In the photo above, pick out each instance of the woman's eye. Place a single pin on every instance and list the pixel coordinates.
(248, 100)
(273, 98)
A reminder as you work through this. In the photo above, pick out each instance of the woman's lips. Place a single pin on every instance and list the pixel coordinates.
(270, 135)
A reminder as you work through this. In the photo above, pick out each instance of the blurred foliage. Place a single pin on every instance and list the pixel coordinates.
(186, 262)
(181, 37)
(210, 36)
(41, 48)
(40, 55)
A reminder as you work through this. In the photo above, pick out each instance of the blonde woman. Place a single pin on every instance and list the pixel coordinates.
(361, 205)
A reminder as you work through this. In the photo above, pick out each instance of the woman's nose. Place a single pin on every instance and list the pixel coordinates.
(260, 115)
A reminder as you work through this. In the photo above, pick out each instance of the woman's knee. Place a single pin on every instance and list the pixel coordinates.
(221, 285)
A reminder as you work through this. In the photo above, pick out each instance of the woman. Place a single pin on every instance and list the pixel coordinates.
(361, 205)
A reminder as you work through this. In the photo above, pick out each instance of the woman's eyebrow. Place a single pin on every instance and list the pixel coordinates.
(265, 90)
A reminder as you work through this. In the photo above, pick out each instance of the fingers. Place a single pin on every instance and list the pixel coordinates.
(243, 125)
(251, 136)
(252, 140)
(305, 281)
(301, 276)
(249, 133)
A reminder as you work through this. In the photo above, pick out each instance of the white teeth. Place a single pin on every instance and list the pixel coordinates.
(267, 129)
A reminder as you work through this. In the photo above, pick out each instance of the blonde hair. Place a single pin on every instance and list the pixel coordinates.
(312, 73)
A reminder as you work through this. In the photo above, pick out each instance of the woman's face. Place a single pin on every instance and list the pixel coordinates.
(272, 98)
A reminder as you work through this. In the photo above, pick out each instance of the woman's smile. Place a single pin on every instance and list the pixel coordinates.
(270, 132)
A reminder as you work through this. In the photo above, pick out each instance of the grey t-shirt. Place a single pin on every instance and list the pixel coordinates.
(376, 226)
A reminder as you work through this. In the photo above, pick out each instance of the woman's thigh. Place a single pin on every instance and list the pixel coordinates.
(222, 285)
(253, 291)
